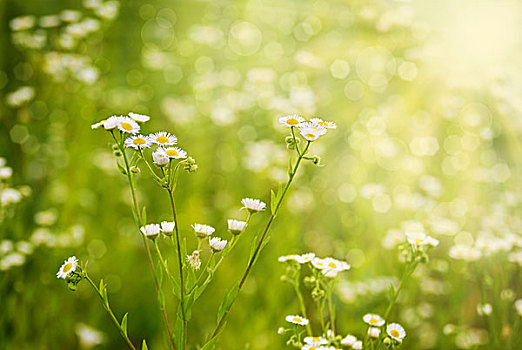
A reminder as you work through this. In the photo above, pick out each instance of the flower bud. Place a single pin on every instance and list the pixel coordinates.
(135, 170)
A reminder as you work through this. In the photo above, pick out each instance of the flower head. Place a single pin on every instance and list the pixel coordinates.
(374, 332)
(297, 320)
(357, 345)
(217, 244)
(111, 122)
(167, 227)
(175, 153)
(310, 134)
(151, 231)
(349, 340)
(418, 239)
(253, 205)
(373, 320)
(323, 123)
(203, 231)
(128, 125)
(317, 341)
(395, 331)
(236, 227)
(194, 260)
(291, 120)
(97, 125)
(68, 267)
(163, 138)
(159, 157)
(139, 118)
(302, 259)
(138, 142)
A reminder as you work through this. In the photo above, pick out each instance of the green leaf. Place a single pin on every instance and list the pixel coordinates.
(391, 291)
(144, 345)
(102, 286)
(272, 201)
(159, 272)
(124, 323)
(227, 302)
(122, 169)
(144, 216)
(178, 330)
(205, 284)
(161, 299)
(212, 342)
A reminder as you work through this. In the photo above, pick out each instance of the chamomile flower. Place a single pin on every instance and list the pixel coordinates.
(349, 340)
(291, 120)
(374, 332)
(302, 259)
(395, 331)
(151, 231)
(112, 123)
(128, 125)
(357, 345)
(203, 231)
(373, 320)
(253, 205)
(97, 125)
(297, 320)
(138, 142)
(159, 157)
(139, 118)
(167, 227)
(175, 153)
(236, 227)
(284, 258)
(310, 134)
(68, 267)
(318, 263)
(163, 138)
(337, 265)
(323, 123)
(217, 244)
(194, 260)
(418, 239)
(315, 341)
(310, 125)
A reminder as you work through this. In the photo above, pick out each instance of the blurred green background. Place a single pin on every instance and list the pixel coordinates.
(426, 97)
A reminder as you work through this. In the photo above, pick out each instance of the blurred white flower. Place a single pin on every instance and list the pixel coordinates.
(68, 267)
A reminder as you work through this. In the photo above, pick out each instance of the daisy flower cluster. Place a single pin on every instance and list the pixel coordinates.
(72, 272)
(152, 231)
(310, 130)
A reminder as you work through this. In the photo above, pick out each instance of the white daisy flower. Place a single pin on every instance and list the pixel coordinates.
(310, 125)
(128, 125)
(349, 340)
(418, 239)
(203, 231)
(151, 230)
(284, 258)
(395, 331)
(97, 125)
(518, 307)
(484, 309)
(297, 320)
(217, 244)
(318, 263)
(68, 267)
(236, 227)
(337, 265)
(373, 320)
(175, 153)
(323, 123)
(159, 157)
(138, 142)
(374, 332)
(316, 347)
(194, 260)
(163, 138)
(329, 273)
(304, 258)
(357, 345)
(139, 118)
(111, 122)
(291, 120)
(253, 205)
(310, 134)
(315, 341)
(167, 227)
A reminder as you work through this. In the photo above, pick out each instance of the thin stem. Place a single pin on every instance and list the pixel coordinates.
(321, 317)
(202, 273)
(331, 311)
(301, 302)
(111, 314)
(407, 273)
(262, 238)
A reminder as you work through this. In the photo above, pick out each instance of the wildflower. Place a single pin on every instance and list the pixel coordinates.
(336, 265)
(217, 244)
(203, 231)
(310, 134)
(10, 196)
(291, 120)
(5, 172)
(151, 231)
(175, 153)
(281, 330)
(111, 122)
(310, 125)
(253, 205)
(418, 239)
(163, 138)
(323, 123)
(395, 331)
(236, 227)
(138, 142)
(139, 118)
(374, 332)
(68, 267)
(167, 227)
(373, 320)
(297, 320)
(302, 259)
(357, 345)
(97, 125)
(160, 158)
(194, 260)
(128, 125)
(349, 340)
(315, 341)
(484, 309)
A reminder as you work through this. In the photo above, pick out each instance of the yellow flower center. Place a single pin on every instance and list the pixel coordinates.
(67, 267)
(172, 153)
(313, 347)
(395, 333)
(126, 126)
(138, 141)
(322, 123)
(419, 240)
(292, 121)
(310, 136)
(332, 265)
(373, 320)
(297, 319)
(162, 139)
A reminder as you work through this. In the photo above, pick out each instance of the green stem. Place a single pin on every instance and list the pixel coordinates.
(330, 306)
(407, 273)
(111, 314)
(302, 305)
(261, 239)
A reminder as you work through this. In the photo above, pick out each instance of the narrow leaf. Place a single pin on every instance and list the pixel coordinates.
(144, 345)
(124, 323)
(122, 169)
(144, 216)
(161, 299)
(272, 201)
(227, 302)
